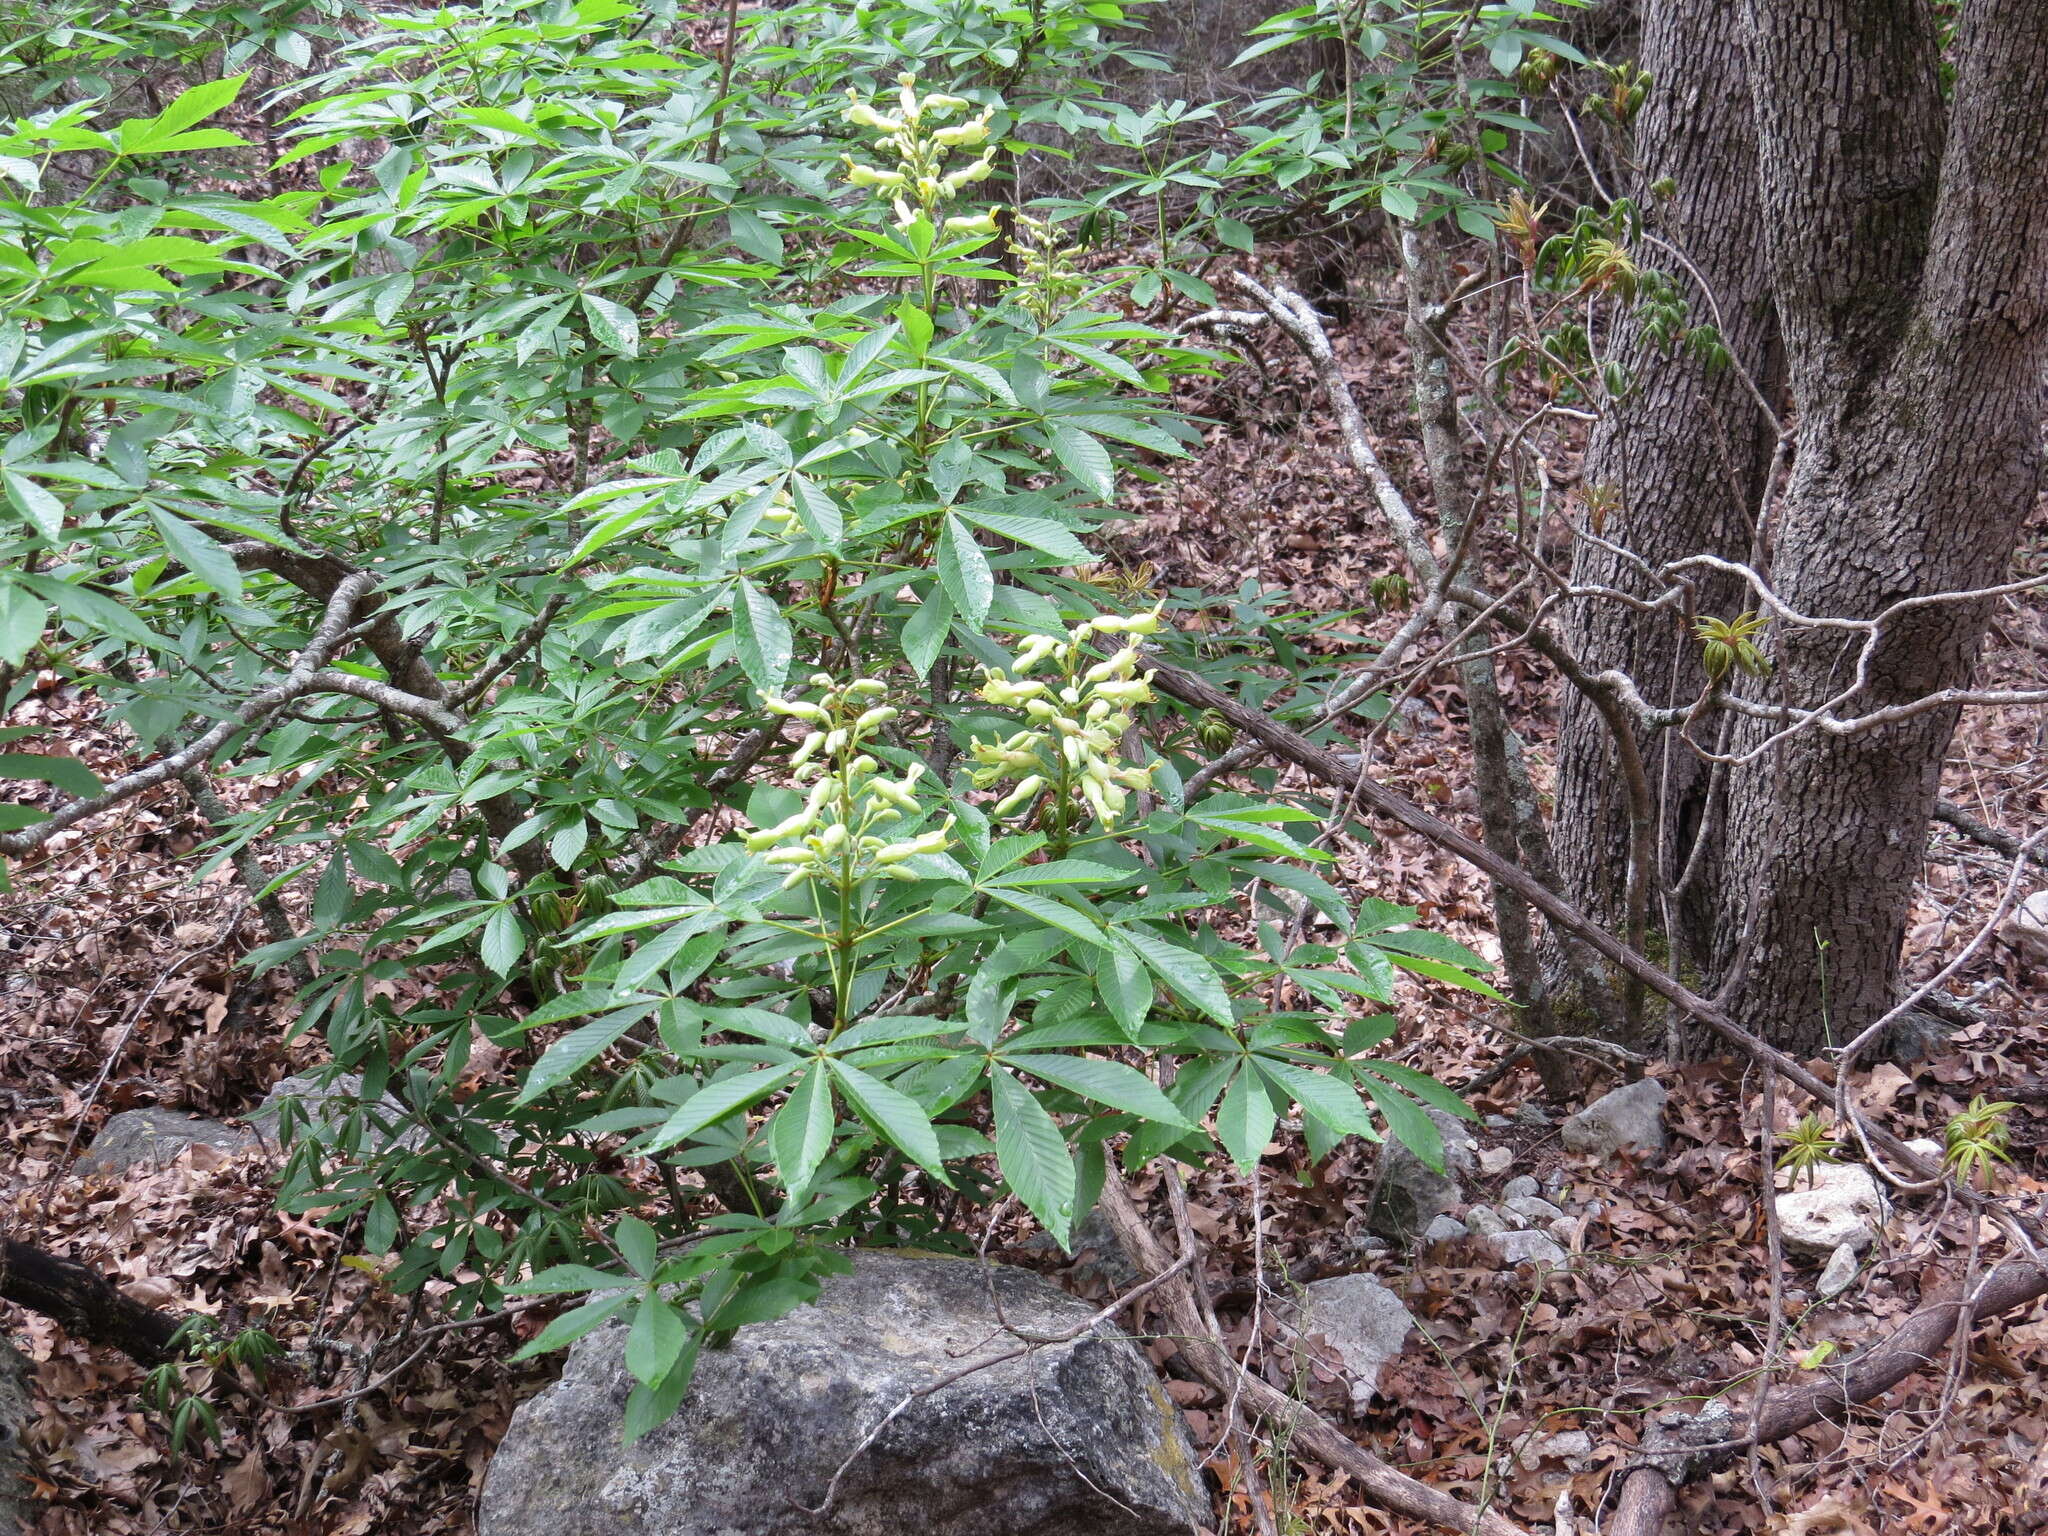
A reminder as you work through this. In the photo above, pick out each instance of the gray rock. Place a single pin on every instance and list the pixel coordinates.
(324, 1103)
(1485, 1221)
(1574, 1447)
(1411, 1193)
(1497, 1122)
(1536, 1211)
(1531, 1114)
(17, 1408)
(1444, 1229)
(1099, 1253)
(1520, 1187)
(1096, 1252)
(1364, 1322)
(1839, 1275)
(1493, 1160)
(1840, 1204)
(154, 1136)
(2027, 929)
(1529, 1248)
(1066, 1438)
(1565, 1229)
(1630, 1118)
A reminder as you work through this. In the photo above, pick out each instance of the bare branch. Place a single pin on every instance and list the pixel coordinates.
(300, 680)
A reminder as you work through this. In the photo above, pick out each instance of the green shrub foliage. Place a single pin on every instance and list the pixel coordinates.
(629, 509)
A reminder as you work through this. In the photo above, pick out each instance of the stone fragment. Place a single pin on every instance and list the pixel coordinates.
(1839, 1275)
(2027, 929)
(1364, 1323)
(1533, 1209)
(1444, 1229)
(155, 1137)
(1075, 1436)
(1496, 1160)
(1411, 1193)
(1485, 1221)
(1538, 1248)
(1631, 1118)
(1520, 1187)
(1573, 1447)
(1831, 1205)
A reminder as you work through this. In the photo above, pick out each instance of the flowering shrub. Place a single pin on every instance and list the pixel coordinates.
(480, 502)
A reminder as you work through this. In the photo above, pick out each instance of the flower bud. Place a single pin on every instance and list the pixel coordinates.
(1021, 795)
(1035, 650)
(873, 176)
(962, 134)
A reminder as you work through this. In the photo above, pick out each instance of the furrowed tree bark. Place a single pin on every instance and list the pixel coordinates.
(84, 1304)
(1909, 255)
(1677, 467)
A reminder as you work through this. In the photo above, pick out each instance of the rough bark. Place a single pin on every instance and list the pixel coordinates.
(83, 1303)
(1685, 456)
(1886, 254)
(1909, 257)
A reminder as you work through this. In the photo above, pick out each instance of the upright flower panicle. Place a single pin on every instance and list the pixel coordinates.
(834, 837)
(920, 182)
(1078, 718)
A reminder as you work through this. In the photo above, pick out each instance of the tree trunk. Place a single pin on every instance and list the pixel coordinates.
(1906, 257)
(1911, 282)
(1675, 468)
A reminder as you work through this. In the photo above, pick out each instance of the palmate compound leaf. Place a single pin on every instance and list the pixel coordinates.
(894, 1116)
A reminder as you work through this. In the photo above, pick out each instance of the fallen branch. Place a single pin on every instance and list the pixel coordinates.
(302, 679)
(1953, 815)
(1648, 1494)
(84, 1304)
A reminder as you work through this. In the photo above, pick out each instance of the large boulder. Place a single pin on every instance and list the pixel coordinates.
(1630, 1119)
(154, 1136)
(1363, 1322)
(1062, 1440)
(1410, 1193)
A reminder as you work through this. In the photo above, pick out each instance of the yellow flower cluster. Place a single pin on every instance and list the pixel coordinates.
(920, 181)
(1077, 720)
(1047, 278)
(833, 837)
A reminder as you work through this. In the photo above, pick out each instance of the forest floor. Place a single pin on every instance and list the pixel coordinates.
(119, 988)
